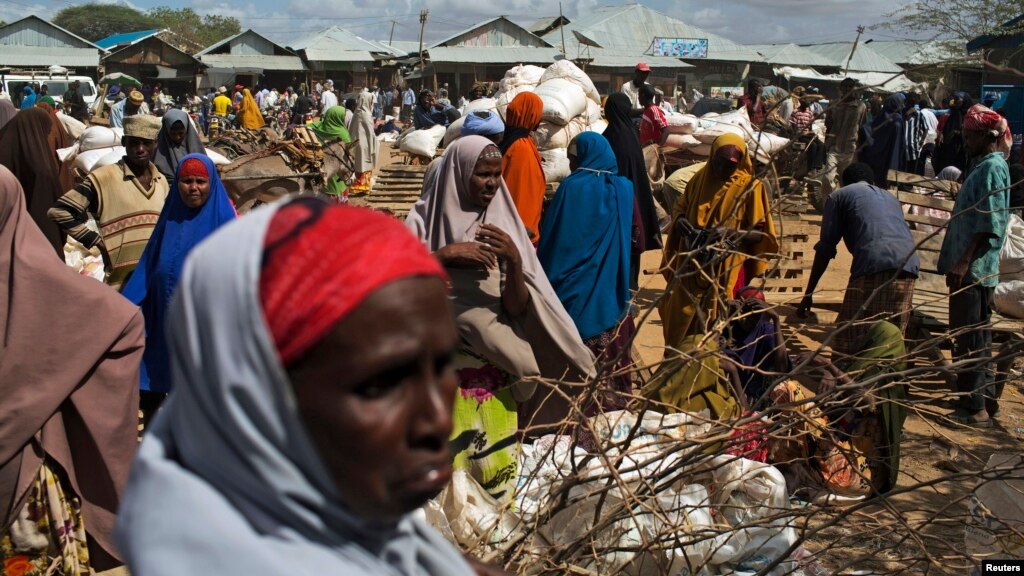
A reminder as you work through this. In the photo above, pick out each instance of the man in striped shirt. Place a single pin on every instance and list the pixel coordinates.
(915, 131)
(124, 198)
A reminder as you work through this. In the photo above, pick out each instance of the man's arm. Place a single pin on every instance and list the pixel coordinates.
(824, 251)
(71, 213)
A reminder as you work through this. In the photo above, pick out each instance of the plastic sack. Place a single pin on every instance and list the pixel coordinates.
(68, 154)
(709, 135)
(453, 132)
(765, 144)
(521, 75)
(470, 514)
(423, 142)
(217, 157)
(73, 126)
(1011, 256)
(1008, 298)
(682, 123)
(997, 510)
(681, 142)
(96, 137)
(86, 161)
(555, 164)
(113, 156)
(84, 261)
(550, 136)
(563, 100)
(567, 70)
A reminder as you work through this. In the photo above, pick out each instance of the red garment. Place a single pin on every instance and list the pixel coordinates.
(755, 108)
(192, 167)
(320, 261)
(651, 125)
(521, 165)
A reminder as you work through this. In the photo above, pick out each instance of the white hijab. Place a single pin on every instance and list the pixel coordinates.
(227, 480)
(362, 133)
(545, 341)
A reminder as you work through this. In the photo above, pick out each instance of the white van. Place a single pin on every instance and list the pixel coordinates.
(13, 83)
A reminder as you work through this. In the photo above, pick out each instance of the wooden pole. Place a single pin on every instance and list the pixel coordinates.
(392, 36)
(860, 30)
(561, 28)
(423, 24)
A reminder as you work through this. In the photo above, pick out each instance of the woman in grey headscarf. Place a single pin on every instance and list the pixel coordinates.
(276, 455)
(177, 138)
(366, 143)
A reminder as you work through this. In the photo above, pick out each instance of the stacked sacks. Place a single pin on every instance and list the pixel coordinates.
(95, 143)
(455, 128)
(696, 135)
(571, 105)
(517, 80)
(422, 142)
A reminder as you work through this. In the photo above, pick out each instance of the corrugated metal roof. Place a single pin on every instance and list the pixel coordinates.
(337, 39)
(864, 58)
(406, 46)
(523, 37)
(493, 55)
(789, 54)
(630, 30)
(606, 59)
(30, 29)
(125, 38)
(915, 52)
(253, 61)
(259, 36)
(544, 23)
(48, 55)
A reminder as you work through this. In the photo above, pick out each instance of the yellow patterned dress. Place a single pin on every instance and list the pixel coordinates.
(48, 535)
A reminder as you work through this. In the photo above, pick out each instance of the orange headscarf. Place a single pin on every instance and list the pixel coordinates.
(249, 115)
(520, 165)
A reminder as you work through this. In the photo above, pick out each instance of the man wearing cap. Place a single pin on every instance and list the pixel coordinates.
(125, 199)
(970, 261)
(328, 99)
(632, 88)
(134, 104)
(238, 96)
(221, 102)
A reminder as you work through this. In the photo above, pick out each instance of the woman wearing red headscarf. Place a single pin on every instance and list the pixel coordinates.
(520, 165)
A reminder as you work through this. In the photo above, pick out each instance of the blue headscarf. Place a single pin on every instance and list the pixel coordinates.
(482, 123)
(30, 98)
(585, 238)
(153, 282)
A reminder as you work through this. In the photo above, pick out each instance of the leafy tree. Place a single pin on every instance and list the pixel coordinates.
(96, 21)
(954, 22)
(193, 32)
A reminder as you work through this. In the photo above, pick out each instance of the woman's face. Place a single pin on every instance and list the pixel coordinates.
(486, 177)
(177, 133)
(194, 190)
(721, 164)
(380, 412)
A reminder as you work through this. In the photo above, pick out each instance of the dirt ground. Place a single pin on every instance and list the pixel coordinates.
(935, 472)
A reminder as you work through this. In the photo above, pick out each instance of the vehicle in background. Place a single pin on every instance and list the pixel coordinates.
(1008, 101)
(56, 81)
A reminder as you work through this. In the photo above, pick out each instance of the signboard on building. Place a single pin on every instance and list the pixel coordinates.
(681, 47)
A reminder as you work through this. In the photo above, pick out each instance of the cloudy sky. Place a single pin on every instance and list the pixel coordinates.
(745, 21)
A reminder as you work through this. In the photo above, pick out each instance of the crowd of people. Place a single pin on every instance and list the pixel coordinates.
(492, 317)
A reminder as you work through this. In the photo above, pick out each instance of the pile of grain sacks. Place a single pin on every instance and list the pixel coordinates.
(696, 135)
(100, 146)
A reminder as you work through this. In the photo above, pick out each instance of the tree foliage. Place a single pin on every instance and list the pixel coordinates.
(194, 32)
(191, 32)
(96, 21)
(953, 21)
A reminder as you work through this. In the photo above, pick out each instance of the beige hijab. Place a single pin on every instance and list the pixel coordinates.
(70, 349)
(544, 341)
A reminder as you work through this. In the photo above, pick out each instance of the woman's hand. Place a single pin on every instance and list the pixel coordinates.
(467, 255)
(498, 243)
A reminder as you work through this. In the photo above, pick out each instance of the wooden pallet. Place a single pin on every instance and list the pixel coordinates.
(397, 188)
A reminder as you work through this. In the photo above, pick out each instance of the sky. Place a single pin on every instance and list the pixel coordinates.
(743, 21)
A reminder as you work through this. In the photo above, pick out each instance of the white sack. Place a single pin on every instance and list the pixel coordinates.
(681, 142)
(453, 132)
(709, 135)
(503, 98)
(68, 154)
(74, 127)
(600, 126)
(555, 164)
(567, 70)
(423, 142)
(593, 113)
(997, 510)
(765, 144)
(522, 75)
(96, 137)
(682, 123)
(480, 104)
(85, 161)
(113, 156)
(549, 136)
(563, 100)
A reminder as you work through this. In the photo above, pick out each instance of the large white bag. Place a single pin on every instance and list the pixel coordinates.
(1011, 256)
(480, 104)
(737, 118)
(503, 98)
(423, 142)
(709, 135)
(217, 157)
(85, 160)
(96, 137)
(555, 164)
(522, 75)
(549, 136)
(567, 70)
(682, 123)
(453, 132)
(764, 145)
(681, 142)
(563, 100)
(113, 156)
(600, 126)
(73, 126)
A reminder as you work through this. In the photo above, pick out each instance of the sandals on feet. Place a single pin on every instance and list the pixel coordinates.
(960, 418)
